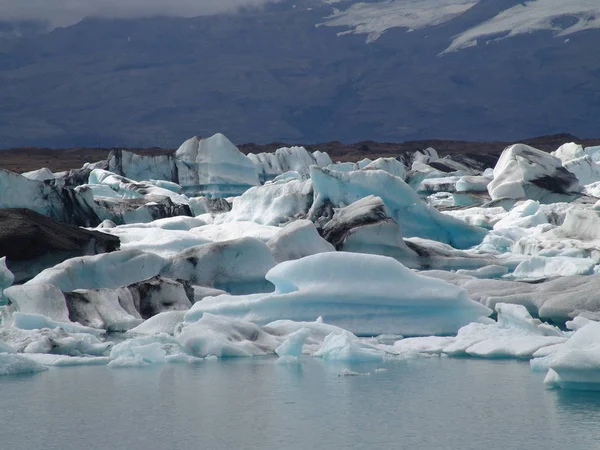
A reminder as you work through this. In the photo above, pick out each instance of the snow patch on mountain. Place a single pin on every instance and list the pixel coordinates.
(532, 16)
(375, 19)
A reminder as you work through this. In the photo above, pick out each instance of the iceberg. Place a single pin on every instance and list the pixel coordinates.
(389, 165)
(236, 266)
(364, 294)
(297, 240)
(6, 279)
(286, 159)
(576, 364)
(60, 203)
(515, 335)
(523, 172)
(102, 309)
(213, 335)
(214, 167)
(164, 322)
(342, 347)
(108, 270)
(11, 364)
(557, 300)
(365, 226)
(404, 205)
(129, 189)
(142, 167)
(275, 203)
(32, 242)
(42, 299)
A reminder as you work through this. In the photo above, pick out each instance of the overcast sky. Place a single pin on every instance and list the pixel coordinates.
(68, 12)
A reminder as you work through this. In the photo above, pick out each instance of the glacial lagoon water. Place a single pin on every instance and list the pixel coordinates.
(253, 403)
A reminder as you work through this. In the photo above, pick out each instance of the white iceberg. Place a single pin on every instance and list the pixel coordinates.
(365, 294)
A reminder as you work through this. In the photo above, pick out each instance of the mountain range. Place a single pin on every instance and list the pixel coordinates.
(307, 71)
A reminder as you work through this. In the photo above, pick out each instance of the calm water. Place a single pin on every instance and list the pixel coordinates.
(246, 403)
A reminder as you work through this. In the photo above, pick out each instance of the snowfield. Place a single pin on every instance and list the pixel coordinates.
(291, 254)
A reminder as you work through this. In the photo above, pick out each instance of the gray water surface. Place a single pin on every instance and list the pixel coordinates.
(253, 403)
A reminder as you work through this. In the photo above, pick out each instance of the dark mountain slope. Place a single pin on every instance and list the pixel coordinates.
(273, 75)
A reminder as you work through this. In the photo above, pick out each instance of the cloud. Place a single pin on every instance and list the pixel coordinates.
(67, 12)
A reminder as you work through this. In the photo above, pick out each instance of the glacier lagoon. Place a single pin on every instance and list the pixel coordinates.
(364, 278)
(423, 403)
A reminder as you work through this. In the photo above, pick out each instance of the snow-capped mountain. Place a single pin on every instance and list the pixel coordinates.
(309, 70)
(563, 17)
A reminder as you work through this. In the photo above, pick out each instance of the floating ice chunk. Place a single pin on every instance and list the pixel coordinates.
(127, 188)
(289, 176)
(539, 267)
(478, 216)
(76, 342)
(515, 335)
(297, 240)
(142, 167)
(365, 226)
(62, 204)
(343, 347)
(394, 300)
(524, 215)
(156, 295)
(585, 169)
(169, 185)
(272, 204)
(432, 345)
(342, 166)
(578, 236)
(164, 322)
(390, 165)
(235, 266)
(214, 167)
(26, 321)
(42, 174)
(200, 206)
(404, 205)
(48, 359)
(11, 364)
(235, 230)
(6, 278)
(433, 185)
(143, 351)
(568, 152)
(557, 300)
(40, 299)
(181, 223)
(200, 292)
(492, 271)
(108, 270)
(225, 337)
(292, 346)
(577, 364)
(316, 332)
(577, 323)
(594, 152)
(523, 172)
(5, 348)
(100, 308)
(364, 162)
(473, 183)
(158, 241)
(286, 159)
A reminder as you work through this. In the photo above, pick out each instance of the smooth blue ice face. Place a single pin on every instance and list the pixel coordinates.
(254, 403)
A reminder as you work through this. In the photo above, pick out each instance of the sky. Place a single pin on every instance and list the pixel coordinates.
(67, 12)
